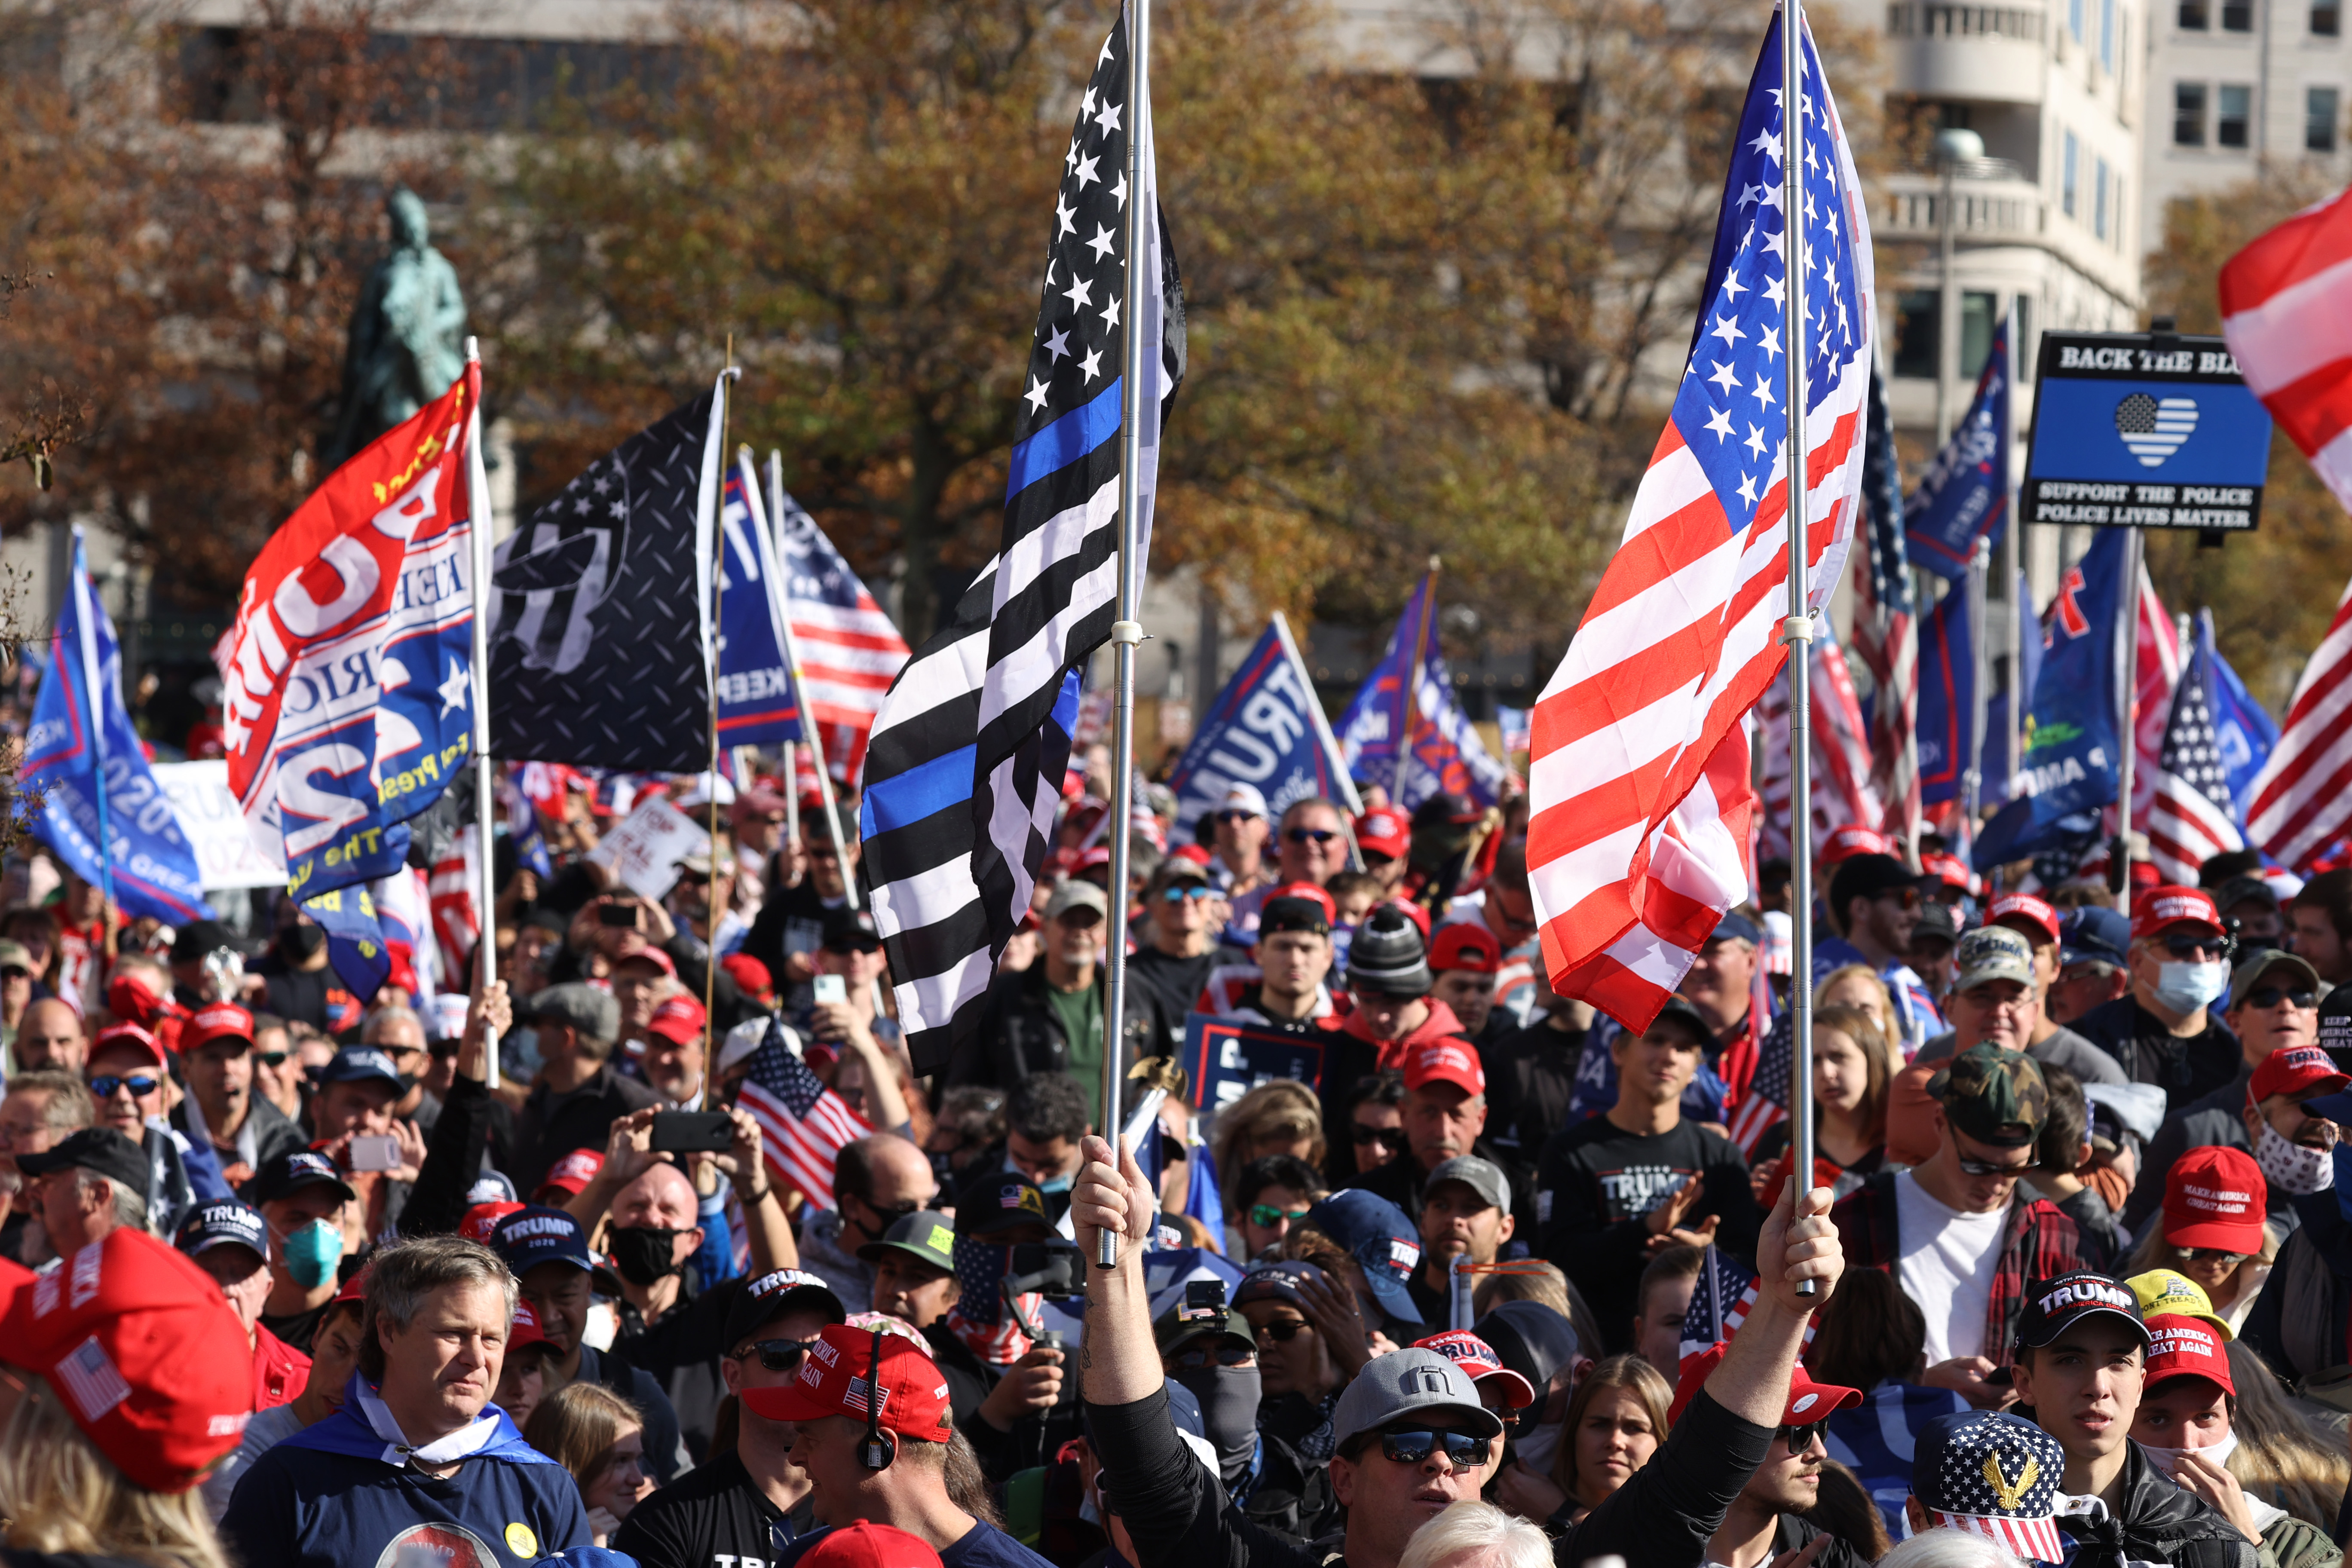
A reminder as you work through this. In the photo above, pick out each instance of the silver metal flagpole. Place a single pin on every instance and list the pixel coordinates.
(782, 599)
(2012, 552)
(478, 508)
(1126, 633)
(1797, 629)
(2127, 692)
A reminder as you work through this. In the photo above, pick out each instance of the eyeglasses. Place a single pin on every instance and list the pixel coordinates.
(1800, 1438)
(1985, 1168)
(278, 1058)
(1463, 1451)
(1226, 1354)
(1177, 892)
(1281, 1331)
(777, 1355)
(1262, 1214)
(2271, 996)
(1374, 859)
(1310, 836)
(2191, 947)
(141, 1085)
(1389, 1138)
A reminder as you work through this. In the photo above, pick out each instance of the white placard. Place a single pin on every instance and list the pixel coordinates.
(225, 855)
(644, 849)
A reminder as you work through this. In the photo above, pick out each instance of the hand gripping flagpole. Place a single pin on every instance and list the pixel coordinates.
(1126, 634)
(1797, 630)
(477, 546)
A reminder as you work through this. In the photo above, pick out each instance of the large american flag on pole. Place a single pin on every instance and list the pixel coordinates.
(2193, 817)
(849, 649)
(965, 766)
(1886, 629)
(802, 1124)
(1640, 768)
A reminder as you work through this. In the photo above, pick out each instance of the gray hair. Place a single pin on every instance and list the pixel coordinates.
(130, 1207)
(389, 1014)
(403, 1274)
(69, 1108)
(1479, 1528)
(1947, 1548)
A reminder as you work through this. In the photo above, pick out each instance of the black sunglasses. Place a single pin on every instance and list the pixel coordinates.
(1389, 1138)
(1237, 817)
(2188, 947)
(868, 944)
(440, 1050)
(895, 1212)
(141, 1085)
(1800, 1439)
(2271, 996)
(1310, 835)
(1984, 1168)
(1282, 1330)
(278, 1058)
(1463, 1451)
(778, 1355)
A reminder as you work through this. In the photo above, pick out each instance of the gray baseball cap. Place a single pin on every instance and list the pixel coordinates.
(1481, 1176)
(1993, 952)
(2261, 962)
(1407, 1383)
(1076, 895)
(592, 1012)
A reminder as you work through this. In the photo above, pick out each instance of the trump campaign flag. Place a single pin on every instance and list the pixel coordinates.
(1443, 749)
(1963, 498)
(1640, 771)
(756, 703)
(83, 753)
(347, 682)
(1267, 730)
(1948, 684)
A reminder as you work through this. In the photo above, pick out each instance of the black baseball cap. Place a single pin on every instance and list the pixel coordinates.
(99, 1150)
(1293, 914)
(851, 931)
(290, 1173)
(999, 1201)
(2053, 1306)
(219, 1224)
(774, 1294)
(1868, 877)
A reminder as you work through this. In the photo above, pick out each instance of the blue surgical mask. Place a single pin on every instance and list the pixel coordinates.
(1055, 1184)
(2186, 987)
(312, 1252)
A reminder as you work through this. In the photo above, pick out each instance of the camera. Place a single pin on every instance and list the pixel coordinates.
(1054, 1269)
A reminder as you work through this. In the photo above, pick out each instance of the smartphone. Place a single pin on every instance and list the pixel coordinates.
(830, 988)
(375, 1154)
(624, 915)
(692, 1131)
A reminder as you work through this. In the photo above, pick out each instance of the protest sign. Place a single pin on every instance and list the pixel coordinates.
(1224, 1059)
(645, 850)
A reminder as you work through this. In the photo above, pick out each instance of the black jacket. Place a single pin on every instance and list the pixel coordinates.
(1174, 1510)
(1021, 1034)
(2185, 1067)
(552, 1125)
(2160, 1522)
(453, 1159)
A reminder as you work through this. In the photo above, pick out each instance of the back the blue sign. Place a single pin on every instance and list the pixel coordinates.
(2135, 430)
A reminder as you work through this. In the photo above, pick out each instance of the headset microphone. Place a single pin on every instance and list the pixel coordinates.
(880, 1448)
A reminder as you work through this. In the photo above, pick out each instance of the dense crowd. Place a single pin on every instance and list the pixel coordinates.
(291, 1277)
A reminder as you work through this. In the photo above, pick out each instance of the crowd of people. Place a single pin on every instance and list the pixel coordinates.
(291, 1277)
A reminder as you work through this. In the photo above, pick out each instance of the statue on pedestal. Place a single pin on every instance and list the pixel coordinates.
(407, 335)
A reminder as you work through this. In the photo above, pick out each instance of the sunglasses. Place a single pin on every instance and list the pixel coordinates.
(1177, 894)
(2210, 1254)
(1374, 859)
(2271, 996)
(1907, 898)
(1282, 1330)
(1220, 1355)
(778, 1355)
(863, 946)
(141, 1085)
(1237, 817)
(1985, 1168)
(440, 1050)
(1262, 1214)
(1310, 836)
(278, 1058)
(1463, 1451)
(2190, 947)
(1389, 1138)
(895, 1212)
(1800, 1438)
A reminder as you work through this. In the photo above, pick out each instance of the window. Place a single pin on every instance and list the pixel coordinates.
(1976, 324)
(2067, 160)
(2107, 35)
(2194, 17)
(2320, 118)
(2099, 200)
(2074, 19)
(2237, 16)
(2234, 115)
(1917, 333)
(2189, 114)
(2327, 18)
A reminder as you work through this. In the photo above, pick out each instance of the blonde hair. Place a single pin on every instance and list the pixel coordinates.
(1476, 1528)
(1521, 1279)
(2277, 1459)
(1862, 974)
(1636, 1377)
(1281, 1107)
(578, 1424)
(59, 1494)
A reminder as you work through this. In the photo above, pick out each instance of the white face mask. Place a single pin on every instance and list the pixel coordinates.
(2289, 1166)
(2168, 1460)
(2185, 987)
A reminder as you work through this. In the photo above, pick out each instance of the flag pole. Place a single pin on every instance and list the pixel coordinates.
(1126, 633)
(781, 600)
(718, 603)
(84, 592)
(2128, 712)
(477, 545)
(2013, 551)
(792, 767)
(1980, 656)
(1413, 683)
(1797, 628)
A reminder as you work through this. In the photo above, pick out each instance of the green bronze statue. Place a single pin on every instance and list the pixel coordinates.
(407, 335)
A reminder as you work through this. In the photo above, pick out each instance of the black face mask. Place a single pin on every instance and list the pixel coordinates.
(303, 942)
(642, 1253)
(1229, 1402)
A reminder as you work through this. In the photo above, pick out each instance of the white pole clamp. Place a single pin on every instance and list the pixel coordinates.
(1797, 628)
(1128, 632)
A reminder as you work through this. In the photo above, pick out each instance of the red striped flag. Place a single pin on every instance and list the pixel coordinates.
(849, 651)
(2303, 797)
(802, 1124)
(2193, 819)
(1639, 768)
(2286, 309)
(2157, 674)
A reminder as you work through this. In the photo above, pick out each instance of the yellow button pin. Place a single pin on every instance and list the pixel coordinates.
(521, 1542)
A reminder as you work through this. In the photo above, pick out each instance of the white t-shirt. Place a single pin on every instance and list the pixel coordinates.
(1946, 1265)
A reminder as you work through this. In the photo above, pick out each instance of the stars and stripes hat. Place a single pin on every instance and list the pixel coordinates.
(1992, 1475)
(907, 1394)
(143, 1351)
(2181, 1346)
(772, 1295)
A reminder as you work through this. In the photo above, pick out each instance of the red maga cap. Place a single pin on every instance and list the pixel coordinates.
(2214, 1197)
(866, 1544)
(1465, 944)
(1845, 843)
(483, 1218)
(2163, 907)
(574, 1170)
(1384, 831)
(2185, 1347)
(1478, 1363)
(130, 1035)
(1948, 869)
(526, 1331)
(2024, 912)
(679, 1020)
(1444, 1062)
(1808, 1401)
(146, 1357)
(833, 1382)
(647, 952)
(217, 1021)
(2293, 1069)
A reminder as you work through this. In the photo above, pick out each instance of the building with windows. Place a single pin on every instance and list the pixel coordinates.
(2238, 87)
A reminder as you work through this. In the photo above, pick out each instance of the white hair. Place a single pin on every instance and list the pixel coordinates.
(1947, 1548)
(1481, 1530)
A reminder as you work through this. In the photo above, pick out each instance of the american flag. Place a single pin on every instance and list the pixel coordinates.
(2192, 818)
(967, 757)
(1640, 767)
(802, 1124)
(449, 894)
(1766, 1104)
(2303, 797)
(2155, 672)
(849, 650)
(1718, 1304)
(978, 1318)
(1885, 629)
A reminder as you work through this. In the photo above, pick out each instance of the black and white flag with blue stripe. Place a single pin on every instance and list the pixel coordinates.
(968, 753)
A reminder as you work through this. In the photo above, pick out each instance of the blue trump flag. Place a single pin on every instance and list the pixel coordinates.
(2073, 760)
(2243, 731)
(757, 705)
(1963, 498)
(1266, 729)
(1947, 711)
(83, 753)
(356, 947)
(1444, 751)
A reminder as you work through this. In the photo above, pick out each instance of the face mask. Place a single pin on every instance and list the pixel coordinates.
(1534, 1449)
(642, 1253)
(1229, 1397)
(304, 942)
(2291, 1167)
(2185, 987)
(312, 1252)
(1054, 1185)
(2167, 1459)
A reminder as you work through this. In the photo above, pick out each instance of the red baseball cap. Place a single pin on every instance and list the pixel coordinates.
(1478, 1363)
(1845, 843)
(574, 1170)
(1948, 869)
(648, 954)
(833, 1382)
(526, 1331)
(1465, 944)
(1444, 1062)
(130, 1034)
(751, 976)
(2160, 909)
(483, 1218)
(216, 1021)
(142, 1351)
(2293, 1069)
(2180, 1346)
(1384, 831)
(679, 1020)
(1195, 853)
(1097, 855)
(2021, 912)
(866, 1544)
(1310, 891)
(1808, 1401)
(2213, 1196)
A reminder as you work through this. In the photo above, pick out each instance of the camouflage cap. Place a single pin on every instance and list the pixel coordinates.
(1992, 952)
(1994, 1096)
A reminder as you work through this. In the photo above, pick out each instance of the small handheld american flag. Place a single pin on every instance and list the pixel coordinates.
(802, 1124)
(1766, 1104)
